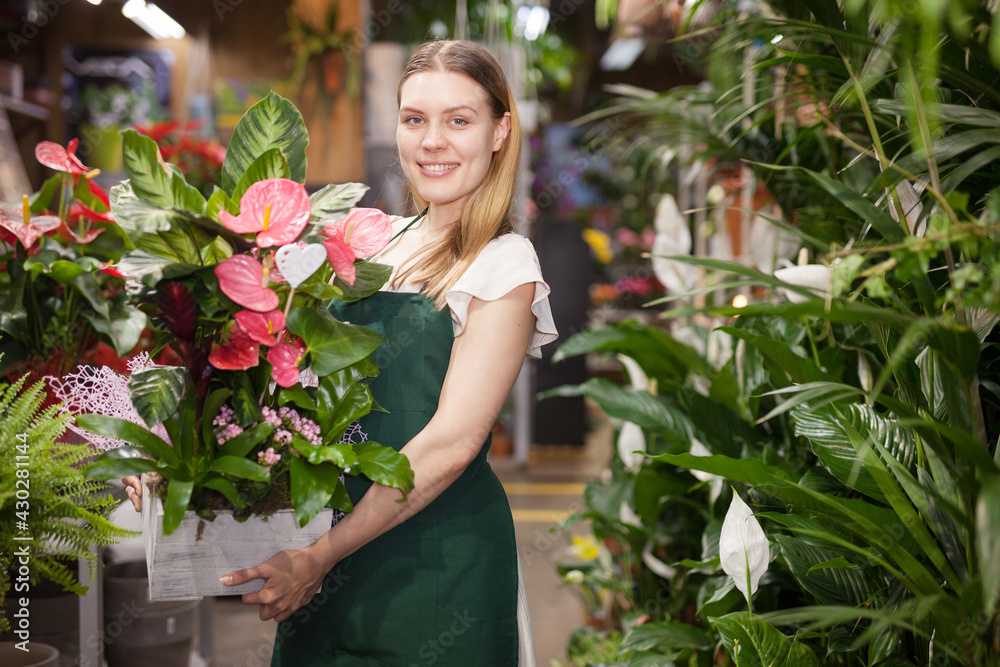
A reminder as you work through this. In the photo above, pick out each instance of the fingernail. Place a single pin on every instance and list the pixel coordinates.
(226, 579)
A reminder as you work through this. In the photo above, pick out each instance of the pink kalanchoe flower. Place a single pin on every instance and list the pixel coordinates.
(285, 358)
(268, 457)
(277, 209)
(26, 228)
(244, 280)
(262, 327)
(238, 353)
(56, 157)
(363, 232)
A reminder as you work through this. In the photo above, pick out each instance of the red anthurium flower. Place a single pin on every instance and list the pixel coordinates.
(66, 233)
(277, 208)
(262, 327)
(91, 214)
(285, 358)
(238, 353)
(111, 270)
(56, 157)
(244, 280)
(27, 229)
(361, 233)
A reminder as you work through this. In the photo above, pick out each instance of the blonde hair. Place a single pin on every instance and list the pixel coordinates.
(488, 212)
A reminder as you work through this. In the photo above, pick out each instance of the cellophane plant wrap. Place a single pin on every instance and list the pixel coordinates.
(238, 286)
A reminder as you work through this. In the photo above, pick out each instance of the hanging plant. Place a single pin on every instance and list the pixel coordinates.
(321, 42)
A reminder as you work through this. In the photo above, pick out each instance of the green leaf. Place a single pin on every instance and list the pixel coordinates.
(785, 366)
(152, 445)
(220, 201)
(178, 498)
(157, 391)
(137, 217)
(152, 179)
(151, 268)
(342, 399)
(238, 466)
(658, 353)
(226, 488)
(123, 328)
(760, 643)
(988, 541)
(340, 454)
(663, 635)
(332, 344)
(638, 407)
(812, 565)
(274, 122)
(120, 462)
(311, 487)
(370, 278)
(42, 200)
(86, 285)
(241, 445)
(385, 466)
(269, 164)
(336, 199)
(297, 396)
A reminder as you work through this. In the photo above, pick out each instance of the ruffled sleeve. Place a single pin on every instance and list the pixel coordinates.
(505, 263)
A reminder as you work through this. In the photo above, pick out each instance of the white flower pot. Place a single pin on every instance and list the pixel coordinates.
(189, 562)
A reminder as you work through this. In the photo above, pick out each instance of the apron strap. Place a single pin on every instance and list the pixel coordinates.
(411, 223)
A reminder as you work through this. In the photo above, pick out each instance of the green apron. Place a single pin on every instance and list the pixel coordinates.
(440, 588)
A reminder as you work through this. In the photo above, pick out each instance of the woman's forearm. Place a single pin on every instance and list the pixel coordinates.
(438, 458)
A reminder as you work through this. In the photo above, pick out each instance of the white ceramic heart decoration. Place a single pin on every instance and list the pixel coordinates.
(298, 261)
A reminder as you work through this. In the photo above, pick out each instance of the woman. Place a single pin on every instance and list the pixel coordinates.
(432, 579)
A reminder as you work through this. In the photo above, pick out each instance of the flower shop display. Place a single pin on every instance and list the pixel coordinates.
(60, 304)
(258, 415)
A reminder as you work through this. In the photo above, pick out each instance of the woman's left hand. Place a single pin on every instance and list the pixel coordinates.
(291, 579)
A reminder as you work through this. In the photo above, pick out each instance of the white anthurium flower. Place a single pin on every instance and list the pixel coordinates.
(673, 237)
(631, 446)
(636, 376)
(816, 277)
(658, 567)
(743, 547)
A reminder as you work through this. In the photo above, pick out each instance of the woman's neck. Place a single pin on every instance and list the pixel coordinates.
(440, 217)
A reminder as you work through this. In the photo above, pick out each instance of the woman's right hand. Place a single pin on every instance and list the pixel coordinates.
(133, 487)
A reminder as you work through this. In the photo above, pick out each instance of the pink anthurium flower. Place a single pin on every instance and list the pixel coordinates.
(27, 229)
(244, 280)
(56, 157)
(285, 358)
(363, 232)
(262, 327)
(238, 353)
(277, 208)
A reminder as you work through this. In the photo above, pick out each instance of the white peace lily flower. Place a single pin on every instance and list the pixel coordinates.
(817, 277)
(743, 547)
(628, 516)
(636, 376)
(698, 449)
(631, 440)
(673, 237)
(658, 567)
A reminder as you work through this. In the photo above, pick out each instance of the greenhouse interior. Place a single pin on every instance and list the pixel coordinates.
(606, 332)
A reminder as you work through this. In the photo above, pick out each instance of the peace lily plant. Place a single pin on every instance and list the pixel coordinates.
(268, 382)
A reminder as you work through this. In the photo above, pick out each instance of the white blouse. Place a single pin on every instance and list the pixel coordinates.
(506, 262)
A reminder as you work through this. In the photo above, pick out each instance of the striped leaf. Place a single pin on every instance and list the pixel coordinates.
(274, 122)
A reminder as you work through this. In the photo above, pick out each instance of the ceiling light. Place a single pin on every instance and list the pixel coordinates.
(152, 19)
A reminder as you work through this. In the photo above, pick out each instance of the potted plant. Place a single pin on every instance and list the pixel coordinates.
(50, 513)
(59, 304)
(270, 383)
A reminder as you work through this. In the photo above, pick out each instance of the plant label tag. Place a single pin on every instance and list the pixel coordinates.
(298, 261)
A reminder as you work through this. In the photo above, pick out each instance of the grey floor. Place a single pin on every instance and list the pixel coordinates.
(541, 494)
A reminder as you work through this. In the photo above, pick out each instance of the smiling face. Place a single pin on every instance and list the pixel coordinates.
(446, 138)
